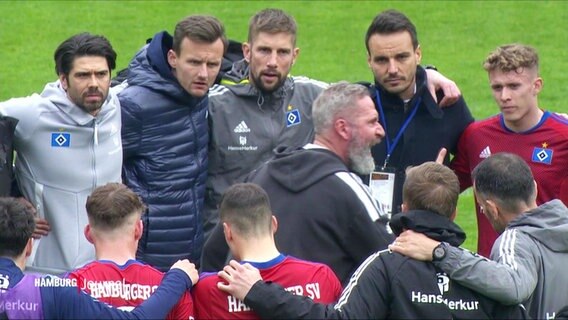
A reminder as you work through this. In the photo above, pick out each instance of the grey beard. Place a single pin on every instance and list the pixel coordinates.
(362, 161)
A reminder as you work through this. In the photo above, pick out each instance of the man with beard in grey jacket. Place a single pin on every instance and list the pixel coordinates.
(527, 255)
(249, 118)
(67, 141)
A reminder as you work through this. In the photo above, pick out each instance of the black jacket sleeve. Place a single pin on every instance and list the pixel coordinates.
(366, 297)
(271, 301)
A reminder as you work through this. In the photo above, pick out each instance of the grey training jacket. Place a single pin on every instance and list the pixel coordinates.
(63, 153)
(245, 127)
(529, 262)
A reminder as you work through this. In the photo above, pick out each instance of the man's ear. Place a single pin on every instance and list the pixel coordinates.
(227, 231)
(138, 229)
(295, 54)
(403, 207)
(343, 129)
(537, 85)
(454, 215)
(418, 54)
(63, 80)
(172, 58)
(246, 51)
(493, 209)
(88, 234)
(29, 247)
(274, 224)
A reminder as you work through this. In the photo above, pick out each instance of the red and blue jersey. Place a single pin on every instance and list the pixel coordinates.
(314, 280)
(126, 286)
(544, 147)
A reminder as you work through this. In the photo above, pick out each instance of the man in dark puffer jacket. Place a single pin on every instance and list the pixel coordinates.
(164, 135)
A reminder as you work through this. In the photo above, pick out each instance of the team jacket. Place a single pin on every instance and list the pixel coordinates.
(165, 136)
(543, 147)
(428, 131)
(126, 286)
(325, 214)
(529, 260)
(391, 286)
(246, 125)
(35, 297)
(63, 154)
(313, 280)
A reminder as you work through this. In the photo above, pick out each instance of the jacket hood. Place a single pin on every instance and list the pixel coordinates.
(54, 92)
(150, 68)
(297, 169)
(432, 224)
(239, 72)
(548, 224)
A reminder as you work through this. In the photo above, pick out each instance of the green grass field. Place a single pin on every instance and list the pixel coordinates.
(454, 35)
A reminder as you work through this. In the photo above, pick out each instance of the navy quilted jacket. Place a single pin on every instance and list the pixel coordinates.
(165, 137)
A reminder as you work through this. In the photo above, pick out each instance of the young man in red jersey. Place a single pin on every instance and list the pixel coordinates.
(523, 128)
(249, 228)
(114, 229)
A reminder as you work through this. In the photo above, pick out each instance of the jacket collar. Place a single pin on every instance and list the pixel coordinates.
(432, 224)
(264, 100)
(56, 95)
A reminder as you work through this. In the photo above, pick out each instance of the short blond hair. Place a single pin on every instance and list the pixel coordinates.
(512, 57)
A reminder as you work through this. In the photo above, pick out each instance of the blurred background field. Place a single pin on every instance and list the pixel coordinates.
(454, 35)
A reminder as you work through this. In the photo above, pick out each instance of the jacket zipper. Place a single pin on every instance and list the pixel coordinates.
(94, 150)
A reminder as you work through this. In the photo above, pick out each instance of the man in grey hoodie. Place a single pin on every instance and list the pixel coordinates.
(68, 142)
(528, 254)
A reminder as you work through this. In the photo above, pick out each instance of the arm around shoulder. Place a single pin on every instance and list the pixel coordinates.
(501, 280)
(26, 111)
(71, 303)
(271, 301)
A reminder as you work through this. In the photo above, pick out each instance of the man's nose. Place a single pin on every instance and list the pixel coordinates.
(93, 81)
(392, 67)
(505, 94)
(202, 71)
(380, 133)
(272, 59)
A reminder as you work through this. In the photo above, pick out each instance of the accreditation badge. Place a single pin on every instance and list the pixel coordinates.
(381, 184)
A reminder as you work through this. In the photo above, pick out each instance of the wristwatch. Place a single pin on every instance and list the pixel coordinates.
(440, 251)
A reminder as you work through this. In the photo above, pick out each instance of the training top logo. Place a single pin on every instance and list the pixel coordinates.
(443, 283)
(292, 117)
(241, 128)
(60, 139)
(4, 281)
